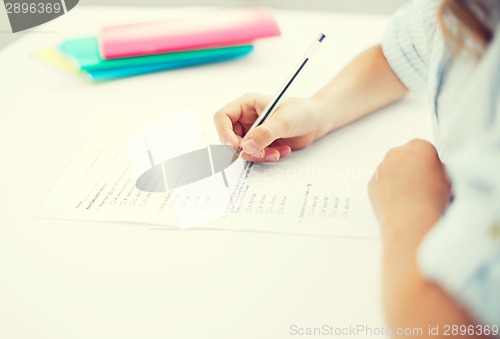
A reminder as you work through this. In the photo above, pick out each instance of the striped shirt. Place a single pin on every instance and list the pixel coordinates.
(462, 252)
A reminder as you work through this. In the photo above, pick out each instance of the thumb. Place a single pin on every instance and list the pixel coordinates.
(264, 135)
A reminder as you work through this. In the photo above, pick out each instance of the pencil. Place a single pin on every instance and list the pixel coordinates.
(274, 103)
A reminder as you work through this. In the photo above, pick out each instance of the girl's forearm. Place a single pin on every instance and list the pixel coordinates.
(366, 84)
(410, 300)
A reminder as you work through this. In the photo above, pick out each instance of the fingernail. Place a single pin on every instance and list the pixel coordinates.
(284, 152)
(228, 143)
(259, 154)
(250, 147)
(273, 157)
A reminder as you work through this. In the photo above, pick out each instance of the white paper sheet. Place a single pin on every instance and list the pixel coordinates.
(321, 191)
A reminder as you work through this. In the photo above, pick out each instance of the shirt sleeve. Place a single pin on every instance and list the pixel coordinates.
(407, 44)
(462, 252)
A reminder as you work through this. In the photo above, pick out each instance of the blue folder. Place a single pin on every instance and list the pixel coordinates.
(84, 53)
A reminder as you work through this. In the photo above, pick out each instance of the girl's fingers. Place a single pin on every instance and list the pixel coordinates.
(224, 127)
(231, 119)
(279, 126)
(269, 154)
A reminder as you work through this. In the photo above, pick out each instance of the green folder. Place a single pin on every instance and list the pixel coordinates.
(84, 52)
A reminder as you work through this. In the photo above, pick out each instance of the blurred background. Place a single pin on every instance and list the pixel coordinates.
(359, 6)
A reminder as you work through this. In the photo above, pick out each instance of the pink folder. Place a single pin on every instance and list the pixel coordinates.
(217, 29)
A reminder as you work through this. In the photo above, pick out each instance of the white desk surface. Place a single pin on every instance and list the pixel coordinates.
(69, 279)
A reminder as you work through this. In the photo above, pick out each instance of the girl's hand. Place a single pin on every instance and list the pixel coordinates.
(410, 184)
(295, 125)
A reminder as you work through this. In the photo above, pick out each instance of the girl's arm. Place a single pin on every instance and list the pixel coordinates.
(363, 86)
(409, 194)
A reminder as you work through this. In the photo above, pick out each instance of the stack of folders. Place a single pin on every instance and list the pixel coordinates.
(123, 51)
